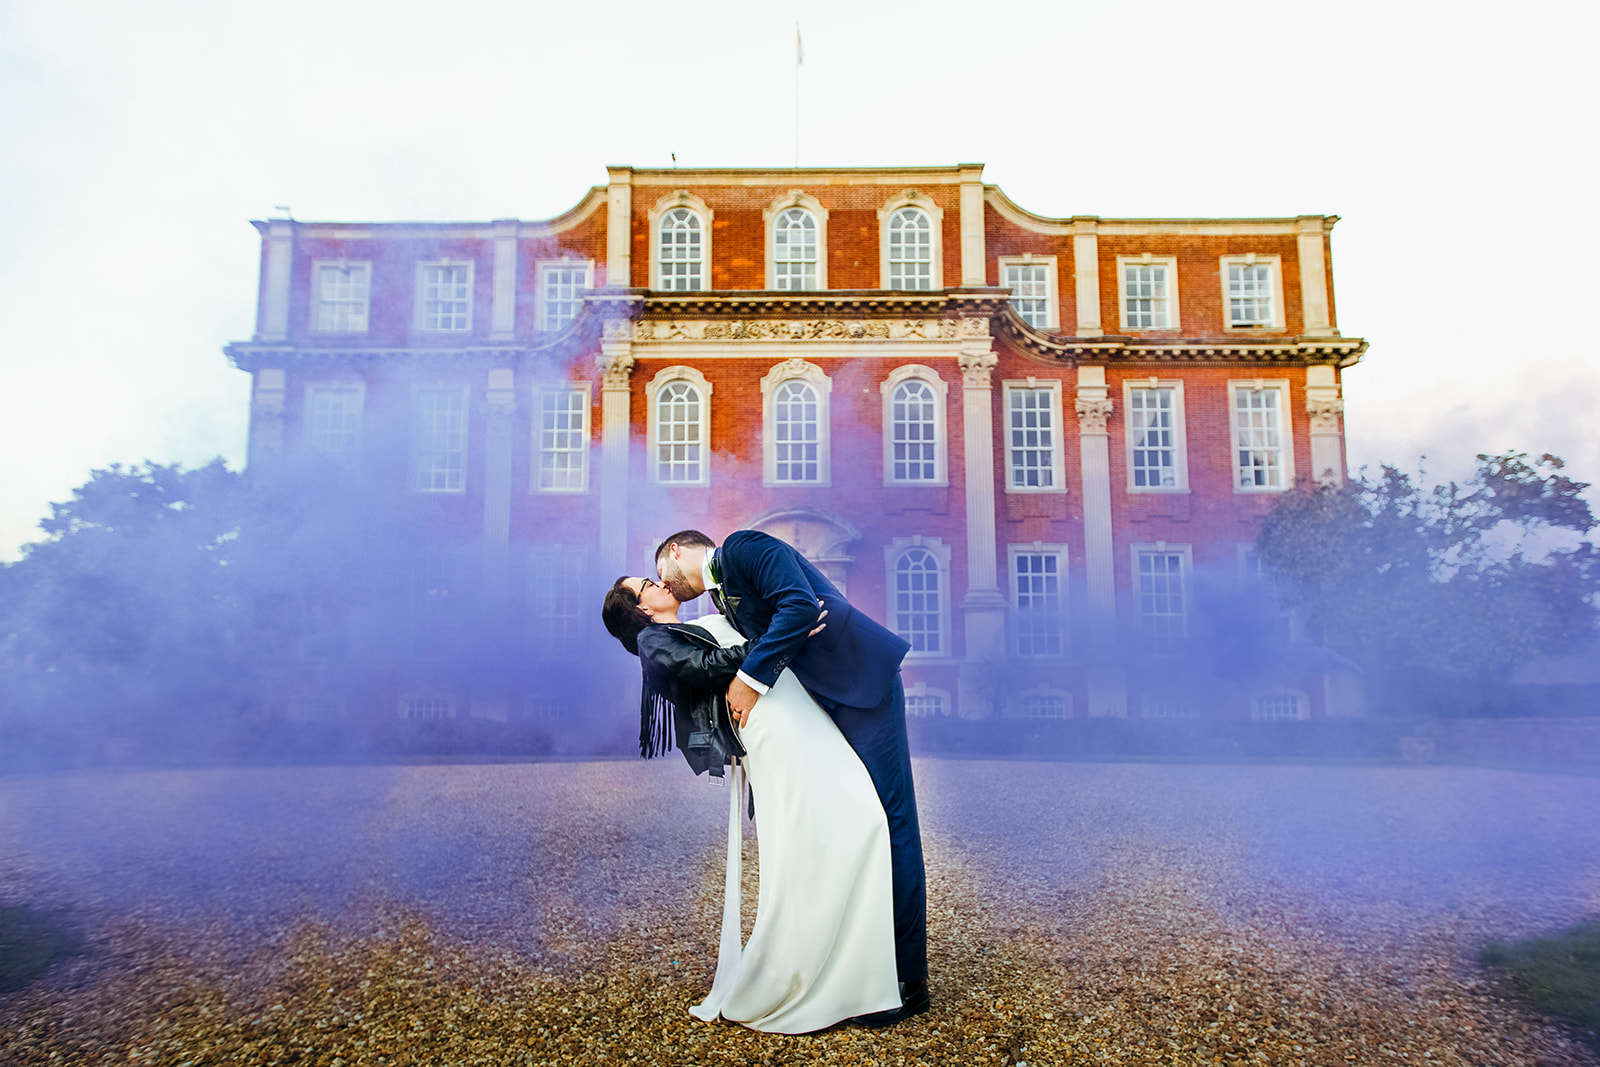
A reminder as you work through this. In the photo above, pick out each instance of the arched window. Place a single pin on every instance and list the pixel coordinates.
(680, 422)
(913, 426)
(680, 252)
(795, 401)
(796, 433)
(919, 584)
(794, 250)
(910, 249)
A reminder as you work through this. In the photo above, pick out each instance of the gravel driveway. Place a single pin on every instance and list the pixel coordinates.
(567, 913)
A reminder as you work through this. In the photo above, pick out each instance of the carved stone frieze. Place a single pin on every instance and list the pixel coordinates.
(976, 368)
(1093, 413)
(1324, 415)
(975, 327)
(790, 330)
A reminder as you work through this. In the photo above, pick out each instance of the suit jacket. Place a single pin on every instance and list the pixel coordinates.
(771, 590)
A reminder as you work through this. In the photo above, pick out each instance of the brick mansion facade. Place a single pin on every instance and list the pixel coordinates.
(1039, 448)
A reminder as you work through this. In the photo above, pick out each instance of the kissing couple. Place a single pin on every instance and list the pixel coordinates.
(816, 725)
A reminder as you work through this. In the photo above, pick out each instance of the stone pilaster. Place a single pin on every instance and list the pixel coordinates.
(619, 229)
(1107, 689)
(274, 322)
(501, 405)
(1324, 406)
(1314, 277)
(1086, 274)
(972, 242)
(502, 318)
(267, 399)
(984, 607)
(615, 364)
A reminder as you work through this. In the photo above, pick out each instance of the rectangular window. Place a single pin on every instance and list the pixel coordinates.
(342, 290)
(439, 441)
(561, 287)
(1144, 296)
(556, 581)
(1153, 437)
(1030, 292)
(1161, 588)
(924, 705)
(1260, 457)
(1045, 704)
(1032, 439)
(563, 439)
(333, 420)
(445, 300)
(1250, 294)
(1038, 588)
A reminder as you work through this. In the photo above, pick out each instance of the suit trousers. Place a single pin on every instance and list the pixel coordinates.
(878, 736)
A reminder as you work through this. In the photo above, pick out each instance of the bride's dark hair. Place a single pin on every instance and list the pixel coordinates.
(623, 615)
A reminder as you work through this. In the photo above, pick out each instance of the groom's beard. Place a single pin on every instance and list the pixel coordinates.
(677, 583)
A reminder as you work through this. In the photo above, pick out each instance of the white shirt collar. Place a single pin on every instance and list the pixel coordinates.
(705, 571)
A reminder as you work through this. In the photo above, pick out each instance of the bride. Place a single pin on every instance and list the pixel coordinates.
(822, 948)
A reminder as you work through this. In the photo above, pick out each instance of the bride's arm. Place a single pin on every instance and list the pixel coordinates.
(683, 658)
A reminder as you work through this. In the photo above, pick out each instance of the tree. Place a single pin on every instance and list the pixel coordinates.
(1467, 580)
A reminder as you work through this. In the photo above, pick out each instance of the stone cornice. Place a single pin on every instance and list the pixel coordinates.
(823, 303)
(1058, 348)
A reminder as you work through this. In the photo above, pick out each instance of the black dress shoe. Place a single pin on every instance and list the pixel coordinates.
(914, 1000)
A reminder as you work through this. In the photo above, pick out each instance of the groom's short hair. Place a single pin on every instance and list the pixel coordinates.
(686, 538)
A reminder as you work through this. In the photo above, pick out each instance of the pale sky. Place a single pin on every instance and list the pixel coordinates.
(138, 138)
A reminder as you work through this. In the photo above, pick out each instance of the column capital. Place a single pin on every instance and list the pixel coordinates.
(615, 364)
(976, 367)
(1093, 411)
(1324, 414)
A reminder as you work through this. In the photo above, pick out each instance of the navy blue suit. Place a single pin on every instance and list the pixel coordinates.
(852, 668)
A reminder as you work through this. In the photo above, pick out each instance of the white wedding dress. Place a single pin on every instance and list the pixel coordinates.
(822, 949)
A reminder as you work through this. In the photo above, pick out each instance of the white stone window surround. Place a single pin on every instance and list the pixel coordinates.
(697, 381)
(1032, 642)
(445, 305)
(1044, 702)
(1282, 705)
(1057, 467)
(333, 429)
(1179, 433)
(341, 300)
(916, 372)
(904, 604)
(1284, 449)
(1052, 283)
(673, 201)
(926, 700)
(1274, 266)
(924, 203)
(1166, 707)
(819, 214)
(1162, 611)
(440, 423)
(550, 441)
(541, 299)
(794, 370)
(1172, 315)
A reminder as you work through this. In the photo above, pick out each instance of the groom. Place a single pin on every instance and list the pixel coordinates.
(769, 592)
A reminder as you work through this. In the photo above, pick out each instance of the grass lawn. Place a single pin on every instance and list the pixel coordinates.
(1560, 974)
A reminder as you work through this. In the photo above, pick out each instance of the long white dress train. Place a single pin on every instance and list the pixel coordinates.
(822, 948)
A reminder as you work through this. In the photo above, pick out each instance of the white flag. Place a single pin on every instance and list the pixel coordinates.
(799, 48)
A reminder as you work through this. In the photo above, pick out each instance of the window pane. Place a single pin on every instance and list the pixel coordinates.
(680, 265)
(342, 297)
(440, 440)
(563, 440)
(910, 250)
(1036, 585)
(333, 420)
(678, 433)
(1144, 291)
(1152, 417)
(795, 250)
(917, 605)
(913, 426)
(1161, 599)
(1258, 438)
(446, 297)
(1250, 294)
(796, 433)
(1031, 438)
(1030, 293)
(562, 295)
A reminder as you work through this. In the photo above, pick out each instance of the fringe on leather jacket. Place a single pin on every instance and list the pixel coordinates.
(686, 676)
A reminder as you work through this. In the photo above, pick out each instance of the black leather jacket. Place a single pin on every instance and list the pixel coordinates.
(686, 676)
